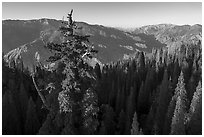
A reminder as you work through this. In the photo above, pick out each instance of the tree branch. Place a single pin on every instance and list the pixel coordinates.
(40, 94)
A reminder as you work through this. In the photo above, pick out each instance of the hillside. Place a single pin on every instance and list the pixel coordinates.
(148, 80)
(113, 44)
(172, 35)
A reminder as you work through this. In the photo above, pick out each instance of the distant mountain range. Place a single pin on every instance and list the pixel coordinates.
(23, 38)
(173, 35)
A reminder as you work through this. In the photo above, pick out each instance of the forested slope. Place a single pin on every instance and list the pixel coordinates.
(157, 93)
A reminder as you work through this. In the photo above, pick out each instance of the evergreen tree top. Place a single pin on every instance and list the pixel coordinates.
(180, 89)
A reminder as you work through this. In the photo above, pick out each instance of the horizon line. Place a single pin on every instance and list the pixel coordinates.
(122, 27)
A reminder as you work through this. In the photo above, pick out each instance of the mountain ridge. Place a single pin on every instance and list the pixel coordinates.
(113, 44)
(158, 24)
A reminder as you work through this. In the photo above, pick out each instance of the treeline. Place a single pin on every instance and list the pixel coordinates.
(22, 111)
(157, 93)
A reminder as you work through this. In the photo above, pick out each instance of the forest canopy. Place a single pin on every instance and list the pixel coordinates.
(157, 93)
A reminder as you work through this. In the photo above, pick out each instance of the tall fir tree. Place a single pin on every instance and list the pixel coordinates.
(139, 99)
(77, 99)
(108, 119)
(141, 66)
(10, 118)
(177, 125)
(180, 88)
(191, 88)
(32, 123)
(163, 102)
(23, 97)
(178, 120)
(146, 91)
(48, 127)
(121, 123)
(135, 126)
(168, 117)
(102, 129)
(130, 108)
(194, 126)
(197, 98)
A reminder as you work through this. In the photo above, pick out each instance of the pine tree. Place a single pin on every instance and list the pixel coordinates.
(5, 72)
(98, 71)
(141, 60)
(121, 122)
(135, 126)
(163, 102)
(178, 120)
(10, 119)
(155, 130)
(118, 101)
(129, 111)
(150, 120)
(48, 127)
(23, 101)
(145, 92)
(197, 98)
(141, 132)
(168, 117)
(195, 119)
(102, 130)
(191, 87)
(176, 70)
(77, 98)
(141, 65)
(180, 89)
(139, 99)
(32, 123)
(177, 126)
(108, 119)
(90, 113)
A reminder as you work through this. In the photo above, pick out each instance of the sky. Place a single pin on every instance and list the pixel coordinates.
(113, 14)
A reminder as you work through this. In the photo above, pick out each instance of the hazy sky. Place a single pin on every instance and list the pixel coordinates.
(120, 14)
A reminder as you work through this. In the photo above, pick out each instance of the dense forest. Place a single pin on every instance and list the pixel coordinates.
(157, 93)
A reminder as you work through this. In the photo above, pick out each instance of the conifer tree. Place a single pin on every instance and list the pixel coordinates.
(191, 87)
(98, 71)
(150, 120)
(108, 119)
(197, 98)
(141, 132)
(163, 102)
(178, 120)
(32, 123)
(48, 127)
(168, 117)
(10, 119)
(194, 126)
(139, 99)
(177, 125)
(102, 130)
(141, 60)
(118, 101)
(145, 92)
(77, 98)
(23, 100)
(141, 65)
(129, 111)
(180, 88)
(155, 130)
(135, 126)
(121, 122)
(175, 74)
